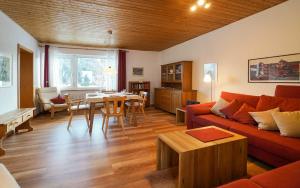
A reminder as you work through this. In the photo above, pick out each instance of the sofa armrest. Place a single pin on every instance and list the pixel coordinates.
(195, 110)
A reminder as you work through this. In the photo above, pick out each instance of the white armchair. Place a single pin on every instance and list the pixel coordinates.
(45, 94)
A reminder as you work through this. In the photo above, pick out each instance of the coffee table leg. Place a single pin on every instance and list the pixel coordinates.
(166, 157)
(186, 170)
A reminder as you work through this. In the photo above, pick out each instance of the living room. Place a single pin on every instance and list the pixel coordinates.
(95, 93)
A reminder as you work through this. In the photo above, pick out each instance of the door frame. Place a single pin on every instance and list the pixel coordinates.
(22, 47)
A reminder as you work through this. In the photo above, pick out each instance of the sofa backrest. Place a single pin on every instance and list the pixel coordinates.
(287, 91)
(249, 99)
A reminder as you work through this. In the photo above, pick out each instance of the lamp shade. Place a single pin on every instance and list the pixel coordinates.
(207, 78)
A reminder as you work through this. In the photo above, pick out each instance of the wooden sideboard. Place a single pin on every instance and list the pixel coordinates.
(13, 122)
(176, 82)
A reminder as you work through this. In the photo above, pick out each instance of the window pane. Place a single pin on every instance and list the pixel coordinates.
(96, 72)
(64, 71)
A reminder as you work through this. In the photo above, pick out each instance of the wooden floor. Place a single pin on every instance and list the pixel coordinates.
(51, 156)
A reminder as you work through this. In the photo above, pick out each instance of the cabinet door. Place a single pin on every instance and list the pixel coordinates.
(164, 73)
(175, 100)
(157, 94)
(165, 100)
(178, 72)
(171, 73)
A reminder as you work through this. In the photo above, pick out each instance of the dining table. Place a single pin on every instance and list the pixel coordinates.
(93, 98)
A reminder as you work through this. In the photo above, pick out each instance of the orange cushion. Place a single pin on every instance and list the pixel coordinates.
(249, 99)
(285, 104)
(58, 100)
(231, 108)
(243, 116)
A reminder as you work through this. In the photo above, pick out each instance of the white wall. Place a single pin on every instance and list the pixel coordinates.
(11, 35)
(275, 31)
(151, 63)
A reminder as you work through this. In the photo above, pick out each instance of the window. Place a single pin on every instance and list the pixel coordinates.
(65, 71)
(86, 71)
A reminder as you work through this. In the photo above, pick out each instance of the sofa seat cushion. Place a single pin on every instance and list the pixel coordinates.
(242, 183)
(211, 119)
(270, 141)
(285, 176)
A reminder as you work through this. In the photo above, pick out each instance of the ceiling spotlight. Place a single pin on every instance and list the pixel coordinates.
(207, 5)
(200, 2)
(193, 8)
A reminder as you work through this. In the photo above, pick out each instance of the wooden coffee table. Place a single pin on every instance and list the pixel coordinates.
(203, 164)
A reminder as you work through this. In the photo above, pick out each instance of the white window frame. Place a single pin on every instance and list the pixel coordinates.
(74, 71)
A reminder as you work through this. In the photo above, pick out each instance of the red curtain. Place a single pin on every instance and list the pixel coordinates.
(122, 70)
(46, 67)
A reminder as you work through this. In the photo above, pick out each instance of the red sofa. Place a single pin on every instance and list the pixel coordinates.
(267, 146)
(283, 177)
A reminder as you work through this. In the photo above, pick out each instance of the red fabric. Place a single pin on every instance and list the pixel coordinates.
(195, 110)
(270, 141)
(208, 134)
(242, 183)
(122, 70)
(243, 116)
(231, 108)
(211, 119)
(287, 91)
(249, 99)
(285, 104)
(285, 176)
(46, 67)
(58, 100)
(266, 157)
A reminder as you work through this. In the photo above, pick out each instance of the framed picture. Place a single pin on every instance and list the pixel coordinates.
(138, 71)
(5, 71)
(276, 69)
(211, 70)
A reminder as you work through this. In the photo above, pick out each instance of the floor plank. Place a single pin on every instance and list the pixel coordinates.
(52, 156)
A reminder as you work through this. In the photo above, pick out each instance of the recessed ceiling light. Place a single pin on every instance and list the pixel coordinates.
(207, 5)
(201, 2)
(193, 8)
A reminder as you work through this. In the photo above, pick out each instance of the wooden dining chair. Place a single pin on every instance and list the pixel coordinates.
(113, 107)
(136, 106)
(74, 105)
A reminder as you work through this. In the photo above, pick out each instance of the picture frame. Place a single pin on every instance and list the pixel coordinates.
(6, 66)
(212, 70)
(138, 71)
(275, 69)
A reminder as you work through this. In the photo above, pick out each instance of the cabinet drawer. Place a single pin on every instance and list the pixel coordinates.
(13, 124)
(27, 116)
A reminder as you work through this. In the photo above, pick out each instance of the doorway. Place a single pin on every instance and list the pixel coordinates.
(26, 89)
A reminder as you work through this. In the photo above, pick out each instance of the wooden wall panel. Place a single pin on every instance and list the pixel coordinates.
(136, 24)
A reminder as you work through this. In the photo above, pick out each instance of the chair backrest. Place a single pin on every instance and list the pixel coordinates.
(144, 95)
(68, 100)
(114, 105)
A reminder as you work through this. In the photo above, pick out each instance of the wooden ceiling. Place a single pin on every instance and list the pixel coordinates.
(135, 24)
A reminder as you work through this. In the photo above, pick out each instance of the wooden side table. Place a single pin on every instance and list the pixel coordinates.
(202, 164)
(181, 116)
